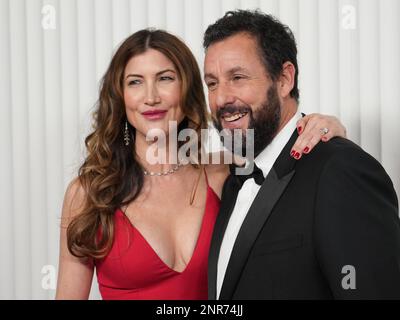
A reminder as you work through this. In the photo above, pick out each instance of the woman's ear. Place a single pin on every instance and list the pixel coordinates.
(286, 80)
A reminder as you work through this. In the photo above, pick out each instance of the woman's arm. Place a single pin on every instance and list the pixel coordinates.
(310, 134)
(310, 130)
(74, 274)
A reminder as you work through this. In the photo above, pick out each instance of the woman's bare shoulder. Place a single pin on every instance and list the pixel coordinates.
(74, 274)
(217, 171)
(75, 188)
(217, 164)
(74, 199)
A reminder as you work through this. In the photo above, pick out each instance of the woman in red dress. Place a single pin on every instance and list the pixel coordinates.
(145, 227)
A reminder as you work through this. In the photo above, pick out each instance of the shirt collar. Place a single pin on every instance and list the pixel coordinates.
(268, 156)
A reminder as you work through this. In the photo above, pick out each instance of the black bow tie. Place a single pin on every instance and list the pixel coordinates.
(257, 175)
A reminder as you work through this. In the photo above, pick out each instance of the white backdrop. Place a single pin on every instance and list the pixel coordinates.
(53, 54)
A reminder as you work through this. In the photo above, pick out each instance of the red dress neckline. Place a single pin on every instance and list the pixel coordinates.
(199, 237)
(133, 270)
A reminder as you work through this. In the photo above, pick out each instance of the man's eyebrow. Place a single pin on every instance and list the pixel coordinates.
(209, 75)
(229, 72)
(236, 69)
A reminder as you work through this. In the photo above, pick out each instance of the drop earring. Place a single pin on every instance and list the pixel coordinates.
(126, 134)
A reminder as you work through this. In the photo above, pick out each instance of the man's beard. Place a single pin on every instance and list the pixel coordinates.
(265, 122)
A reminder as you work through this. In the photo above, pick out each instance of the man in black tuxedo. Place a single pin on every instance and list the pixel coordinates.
(322, 227)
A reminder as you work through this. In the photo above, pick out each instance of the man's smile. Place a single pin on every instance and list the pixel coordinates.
(231, 117)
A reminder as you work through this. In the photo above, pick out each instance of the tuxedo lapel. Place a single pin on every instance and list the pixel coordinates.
(274, 185)
(229, 195)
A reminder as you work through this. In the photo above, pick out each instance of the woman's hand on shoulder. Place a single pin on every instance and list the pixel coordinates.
(314, 128)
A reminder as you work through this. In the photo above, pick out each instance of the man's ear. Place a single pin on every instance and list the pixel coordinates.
(286, 80)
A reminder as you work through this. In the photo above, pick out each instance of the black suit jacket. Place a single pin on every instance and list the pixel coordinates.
(311, 222)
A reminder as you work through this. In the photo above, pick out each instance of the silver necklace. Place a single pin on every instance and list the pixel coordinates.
(164, 173)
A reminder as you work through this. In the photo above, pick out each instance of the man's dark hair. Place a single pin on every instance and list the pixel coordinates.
(276, 42)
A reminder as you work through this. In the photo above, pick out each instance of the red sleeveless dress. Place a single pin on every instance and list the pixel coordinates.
(133, 270)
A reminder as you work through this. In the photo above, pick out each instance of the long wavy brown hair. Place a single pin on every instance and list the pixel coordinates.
(110, 175)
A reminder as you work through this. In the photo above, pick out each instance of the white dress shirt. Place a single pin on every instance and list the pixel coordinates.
(265, 160)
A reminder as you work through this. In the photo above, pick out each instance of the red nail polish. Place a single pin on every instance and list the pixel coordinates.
(297, 155)
(299, 129)
(306, 149)
(292, 154)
